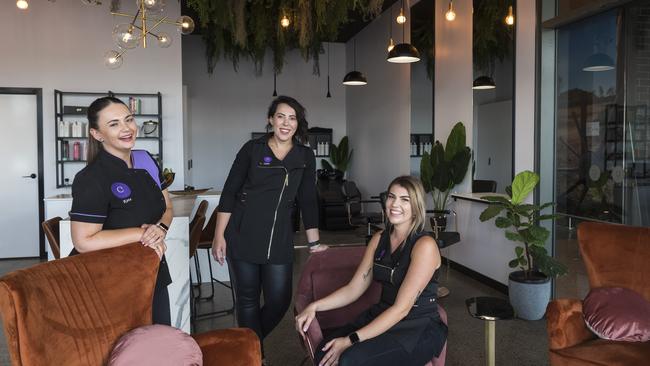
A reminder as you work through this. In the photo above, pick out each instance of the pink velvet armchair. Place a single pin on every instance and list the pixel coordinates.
(324, 272)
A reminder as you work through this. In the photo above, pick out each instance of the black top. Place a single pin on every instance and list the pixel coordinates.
(390, 270)
(107, 192)
(260, 192)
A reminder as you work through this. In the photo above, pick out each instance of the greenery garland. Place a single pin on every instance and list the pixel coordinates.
(248, 28)
(492, 38)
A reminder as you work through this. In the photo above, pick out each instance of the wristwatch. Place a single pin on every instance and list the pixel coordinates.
(165, 227)
(354, 338)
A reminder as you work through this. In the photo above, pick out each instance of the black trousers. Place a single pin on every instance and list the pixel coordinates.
(160, 312)
(249, 280)
(383, 350)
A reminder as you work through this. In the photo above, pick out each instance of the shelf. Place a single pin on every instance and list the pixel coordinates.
(86, 138)
(71, 161)
(84, 115)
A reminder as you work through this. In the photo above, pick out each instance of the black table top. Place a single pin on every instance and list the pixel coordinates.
(489, 308)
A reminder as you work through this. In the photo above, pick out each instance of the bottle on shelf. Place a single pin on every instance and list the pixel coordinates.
(65, 150)
(326, 151)
(76, 151)
(64, 129)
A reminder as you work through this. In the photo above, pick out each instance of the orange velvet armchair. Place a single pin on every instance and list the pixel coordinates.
(71, 311)
(614, 256)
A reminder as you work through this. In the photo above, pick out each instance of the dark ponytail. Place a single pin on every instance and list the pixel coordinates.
(94, 146)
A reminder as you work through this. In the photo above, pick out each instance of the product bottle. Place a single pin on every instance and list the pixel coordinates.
(65, 152)
(76, 151)
(327, 148)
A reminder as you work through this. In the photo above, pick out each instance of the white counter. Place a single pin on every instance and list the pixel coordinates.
(483, 247)
(177, 247)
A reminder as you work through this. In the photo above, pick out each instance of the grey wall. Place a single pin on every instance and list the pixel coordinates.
(60, 45)
(225, 107)
(378, 114)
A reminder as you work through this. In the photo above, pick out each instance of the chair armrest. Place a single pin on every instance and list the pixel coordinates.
(565, 324)
(234, 346)
(314, 335)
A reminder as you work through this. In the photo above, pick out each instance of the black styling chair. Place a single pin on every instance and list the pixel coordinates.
(353, 204)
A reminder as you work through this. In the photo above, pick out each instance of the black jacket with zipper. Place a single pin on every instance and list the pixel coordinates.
(260, 192)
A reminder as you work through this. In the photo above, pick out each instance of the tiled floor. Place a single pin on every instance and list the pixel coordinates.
(518, 342)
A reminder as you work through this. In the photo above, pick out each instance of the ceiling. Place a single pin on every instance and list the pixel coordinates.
(346, 32)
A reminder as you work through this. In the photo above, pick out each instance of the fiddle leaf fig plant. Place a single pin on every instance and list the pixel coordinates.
(520, 222)
(445, 167)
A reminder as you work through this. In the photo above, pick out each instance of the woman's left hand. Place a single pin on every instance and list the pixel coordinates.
(153, 235)
(334, 349)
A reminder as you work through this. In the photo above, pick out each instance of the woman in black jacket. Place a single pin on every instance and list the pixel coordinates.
(268, 177)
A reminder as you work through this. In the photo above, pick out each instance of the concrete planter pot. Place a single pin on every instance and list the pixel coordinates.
(529, 295)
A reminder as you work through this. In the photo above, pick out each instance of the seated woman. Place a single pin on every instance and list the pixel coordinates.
(404, 327)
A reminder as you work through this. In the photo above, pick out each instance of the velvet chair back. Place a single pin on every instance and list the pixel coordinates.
(71, 311)
(51, 230)
(616, 256)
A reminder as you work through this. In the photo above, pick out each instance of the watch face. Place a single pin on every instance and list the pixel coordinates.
(354, 337)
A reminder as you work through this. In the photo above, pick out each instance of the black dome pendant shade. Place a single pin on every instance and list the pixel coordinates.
(483, 83)
(598, 62)
(403, 53)
(355, 77)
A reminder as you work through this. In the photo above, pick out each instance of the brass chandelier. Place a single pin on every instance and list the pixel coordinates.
(142, 25)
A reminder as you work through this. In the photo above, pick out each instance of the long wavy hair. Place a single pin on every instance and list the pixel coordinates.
(418, 204)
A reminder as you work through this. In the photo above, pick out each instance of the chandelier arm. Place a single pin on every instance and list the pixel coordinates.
(148, 31)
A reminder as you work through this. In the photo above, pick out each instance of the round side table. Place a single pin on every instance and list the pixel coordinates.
(489, 309)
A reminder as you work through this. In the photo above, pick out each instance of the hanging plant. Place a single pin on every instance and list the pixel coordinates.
(236, 28)
(492, 38)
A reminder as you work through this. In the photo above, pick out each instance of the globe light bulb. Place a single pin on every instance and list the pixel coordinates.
(401, 19)
(124, 37)
(284, 22)
(113, 59)
(22, 4)
(152, 5)
(391, 45)
(185, 25)
(510, 18)
(450, 15)
(164, 40)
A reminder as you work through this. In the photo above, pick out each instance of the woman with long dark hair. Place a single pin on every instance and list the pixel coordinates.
(119, 197)
(269, 176)
(404, 327)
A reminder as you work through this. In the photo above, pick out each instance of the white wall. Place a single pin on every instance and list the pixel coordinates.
(60, 45)
(378, 114)
(526, 27)
(454, 75)
(225, 107)
(493, 149)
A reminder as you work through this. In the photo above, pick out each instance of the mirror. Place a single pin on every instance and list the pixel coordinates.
(421, 82)
(493, 53)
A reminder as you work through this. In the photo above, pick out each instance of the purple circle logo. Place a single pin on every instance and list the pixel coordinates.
(267, 160)
(120, 190)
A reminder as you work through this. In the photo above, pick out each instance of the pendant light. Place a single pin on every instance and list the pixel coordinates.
(391, 44)
(275, 91)
(355, 77)
(510, 18)
(22, 4)
(598, 62)
(450, 15)
(329, 95)
(403, 52)
(483, 83)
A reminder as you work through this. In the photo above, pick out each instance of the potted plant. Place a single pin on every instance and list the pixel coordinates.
(340, 156)
(444, 168)
(529, 287)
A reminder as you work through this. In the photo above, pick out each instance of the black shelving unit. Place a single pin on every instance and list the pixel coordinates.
(316, 135)
(419, 139)
(65, 167)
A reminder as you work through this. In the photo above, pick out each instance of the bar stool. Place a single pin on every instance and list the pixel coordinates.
(195, 235)
(207, 235)
(51, 230)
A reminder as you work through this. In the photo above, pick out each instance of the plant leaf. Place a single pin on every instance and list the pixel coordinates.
(426, 172)
(547, 217)
(490, 212)
(460, 164)
(538, 233)
(513, 263)
(499, 199)
(514, 236)
(519, 251)
(326, 164)
(455, 142)
(522, 185)
(503, 222)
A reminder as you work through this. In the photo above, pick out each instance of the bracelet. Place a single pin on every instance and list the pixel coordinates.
(313, 243)
(163, 226)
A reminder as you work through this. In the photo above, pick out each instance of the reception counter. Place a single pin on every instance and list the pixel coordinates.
(483, 247)
(177, 246)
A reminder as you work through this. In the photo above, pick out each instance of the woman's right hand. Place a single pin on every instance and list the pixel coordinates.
(304, 319)
(219, 249)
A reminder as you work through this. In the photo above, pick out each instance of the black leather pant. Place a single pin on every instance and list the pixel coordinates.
(250, 280)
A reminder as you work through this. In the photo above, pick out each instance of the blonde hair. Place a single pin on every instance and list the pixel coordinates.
(418, 205)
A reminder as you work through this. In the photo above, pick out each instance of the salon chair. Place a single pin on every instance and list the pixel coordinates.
(325, 272)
